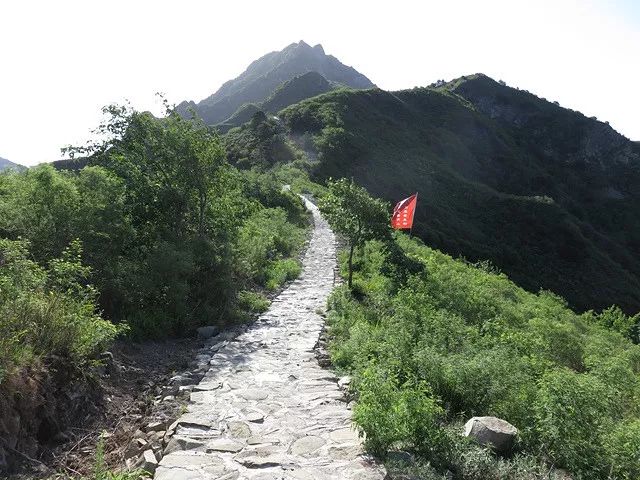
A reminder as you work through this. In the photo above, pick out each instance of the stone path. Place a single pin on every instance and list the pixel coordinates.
(266, 410)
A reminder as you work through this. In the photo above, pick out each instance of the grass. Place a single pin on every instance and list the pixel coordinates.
(253, 302)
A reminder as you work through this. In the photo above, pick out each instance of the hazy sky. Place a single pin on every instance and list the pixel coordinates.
(61, 61)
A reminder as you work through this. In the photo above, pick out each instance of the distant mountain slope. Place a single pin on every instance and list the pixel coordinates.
(549, 196)
(298, 88)
(263, 76)
(6, 164)
(292, 91)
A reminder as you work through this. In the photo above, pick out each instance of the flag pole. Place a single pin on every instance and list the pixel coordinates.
(413, 215)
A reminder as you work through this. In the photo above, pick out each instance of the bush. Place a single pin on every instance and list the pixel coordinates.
(389, 414)
(628, 325)
(265, 238)
(571, 412)
(170, 231)
(463, 340)
(282, 271)
(622, 446)
(47, 312)
(253, 302)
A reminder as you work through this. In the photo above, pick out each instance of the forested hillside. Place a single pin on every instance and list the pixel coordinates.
(292, 91)
(549, 196)
(154, 235)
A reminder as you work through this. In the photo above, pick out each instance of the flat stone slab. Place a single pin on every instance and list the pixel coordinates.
(224, 445)
(266, 409)
(254, 394)
(306, 445)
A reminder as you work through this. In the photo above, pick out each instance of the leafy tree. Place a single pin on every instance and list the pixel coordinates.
(615, 319)
(353, 213)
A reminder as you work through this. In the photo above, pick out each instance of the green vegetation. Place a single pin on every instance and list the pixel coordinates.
(47, 310)
(265, 240)
(355, 215)
(102, 472)
(292, 91)
(262, 147)
(261, 144)
(457, 340)
(546, 194)
(156, 233)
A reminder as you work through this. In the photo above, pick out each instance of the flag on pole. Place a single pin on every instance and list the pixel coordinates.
(403, 212)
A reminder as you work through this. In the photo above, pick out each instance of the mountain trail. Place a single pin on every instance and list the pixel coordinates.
(266, 409)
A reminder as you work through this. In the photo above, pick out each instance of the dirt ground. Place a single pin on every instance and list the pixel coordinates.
(135, 391)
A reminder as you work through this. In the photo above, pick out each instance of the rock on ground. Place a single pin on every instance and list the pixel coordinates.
(492, 431)
(266, 409)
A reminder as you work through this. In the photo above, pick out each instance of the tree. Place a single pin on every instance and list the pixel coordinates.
(353, 213)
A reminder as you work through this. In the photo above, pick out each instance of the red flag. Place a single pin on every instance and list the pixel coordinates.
(403, 212)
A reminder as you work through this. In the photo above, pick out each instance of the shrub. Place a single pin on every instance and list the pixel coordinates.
(389, 413)
(282, 271)
(571, 412)
(622, 446)
(462, 341)
(101, 472)
(47, 311)
(263, 240)
(615, 319)
(253, 302)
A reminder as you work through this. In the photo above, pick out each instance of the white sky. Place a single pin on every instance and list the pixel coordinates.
(61, 61)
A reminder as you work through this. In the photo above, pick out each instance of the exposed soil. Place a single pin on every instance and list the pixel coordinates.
(132, 385)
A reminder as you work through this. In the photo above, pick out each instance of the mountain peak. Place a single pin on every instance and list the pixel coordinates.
(263, 76)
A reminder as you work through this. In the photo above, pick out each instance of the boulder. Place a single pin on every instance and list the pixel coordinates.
(344, 382)
(492, 432)
(207, 332)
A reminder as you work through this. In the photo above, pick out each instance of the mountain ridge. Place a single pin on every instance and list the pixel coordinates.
(7, 164)
(292, 91)
(260, 79)
(548, 195)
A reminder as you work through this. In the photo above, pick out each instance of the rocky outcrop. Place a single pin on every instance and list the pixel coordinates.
(492, 432)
